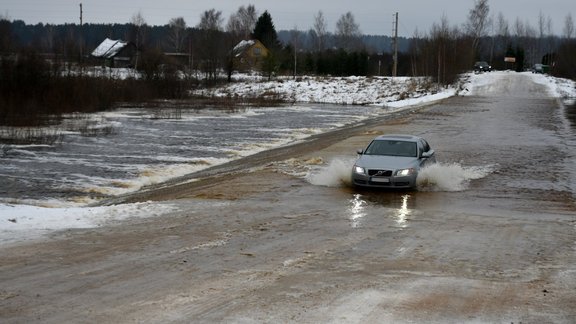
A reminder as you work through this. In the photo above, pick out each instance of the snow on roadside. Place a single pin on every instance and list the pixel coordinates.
(21, 223)
(557, 87)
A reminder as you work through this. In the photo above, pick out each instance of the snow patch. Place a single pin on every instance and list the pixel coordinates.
(19, 223)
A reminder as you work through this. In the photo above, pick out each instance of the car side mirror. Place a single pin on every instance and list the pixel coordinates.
(427, 155)
(360, 151)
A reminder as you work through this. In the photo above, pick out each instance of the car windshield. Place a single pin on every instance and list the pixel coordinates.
(392, 148)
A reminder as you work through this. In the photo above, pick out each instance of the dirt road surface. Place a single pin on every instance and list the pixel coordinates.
(255, 241)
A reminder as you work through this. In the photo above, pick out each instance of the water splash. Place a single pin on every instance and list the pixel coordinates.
(437, 177)
(337, 173)
(450, 177)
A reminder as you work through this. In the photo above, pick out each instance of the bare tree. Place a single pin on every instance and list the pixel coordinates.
(568, 27)
(528, 42)
(541, 25)
(501, 37)
(211, 46)
(550, 35)
(320, 30)
(440, 36)
(138, 22)
(416, 54)
(347, 32)
(519, 29)
(478, 21)
(138, 34)
(295, 41)
(211, 20)
(177, 33)
(441, 55)
(502, 26)
(50, 39)
(242, 22)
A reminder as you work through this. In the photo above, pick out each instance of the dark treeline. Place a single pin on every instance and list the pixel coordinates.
(72, 42)
(53, 38)
(419, 53)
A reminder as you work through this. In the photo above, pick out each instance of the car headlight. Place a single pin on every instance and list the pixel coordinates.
(405, 172)
(359, 170)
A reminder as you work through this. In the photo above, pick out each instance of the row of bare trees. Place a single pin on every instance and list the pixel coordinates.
(446, 50)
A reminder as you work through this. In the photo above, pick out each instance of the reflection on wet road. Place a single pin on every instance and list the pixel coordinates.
(570, 112)
(357, 210)
(380, 204)
(403, 212)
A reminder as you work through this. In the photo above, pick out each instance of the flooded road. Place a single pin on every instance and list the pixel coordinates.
(490, 236)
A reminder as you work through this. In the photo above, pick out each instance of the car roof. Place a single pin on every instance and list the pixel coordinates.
(398, 137)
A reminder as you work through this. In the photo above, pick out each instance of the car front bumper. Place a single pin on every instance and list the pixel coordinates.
(406, 182)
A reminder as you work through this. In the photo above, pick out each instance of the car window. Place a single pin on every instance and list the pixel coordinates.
(392, 148)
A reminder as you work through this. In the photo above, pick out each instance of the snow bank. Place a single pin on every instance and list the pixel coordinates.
(20, 223)
(379, 91)
(557, 87)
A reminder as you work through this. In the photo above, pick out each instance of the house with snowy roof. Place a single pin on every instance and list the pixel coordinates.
(249, 54)
(116, 53)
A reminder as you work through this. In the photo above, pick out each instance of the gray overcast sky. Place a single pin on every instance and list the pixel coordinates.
(373, 16)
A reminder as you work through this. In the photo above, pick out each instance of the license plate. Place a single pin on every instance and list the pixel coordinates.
(381, 180)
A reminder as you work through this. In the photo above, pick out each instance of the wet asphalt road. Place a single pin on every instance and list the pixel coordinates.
(261, 244)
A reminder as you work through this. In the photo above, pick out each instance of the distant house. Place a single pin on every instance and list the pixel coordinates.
(116, 53)
(249, 54)
(180, 60)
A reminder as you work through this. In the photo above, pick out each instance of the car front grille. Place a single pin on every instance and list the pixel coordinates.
(379, 173)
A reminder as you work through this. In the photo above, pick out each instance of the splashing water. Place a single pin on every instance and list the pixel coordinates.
(450, 177)
(336, 173)
(437, 177)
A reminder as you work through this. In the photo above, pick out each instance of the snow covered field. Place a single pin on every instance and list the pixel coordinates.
(377, 91)
(20, 222)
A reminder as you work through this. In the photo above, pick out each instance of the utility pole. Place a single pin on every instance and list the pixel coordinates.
(295, 61)
(81, 34)
(395, 55)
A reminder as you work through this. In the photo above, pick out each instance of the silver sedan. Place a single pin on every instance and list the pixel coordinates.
(392, 161)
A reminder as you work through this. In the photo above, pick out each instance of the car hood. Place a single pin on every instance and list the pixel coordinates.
(386, 162)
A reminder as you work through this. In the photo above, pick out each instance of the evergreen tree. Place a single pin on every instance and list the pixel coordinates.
(265, 32)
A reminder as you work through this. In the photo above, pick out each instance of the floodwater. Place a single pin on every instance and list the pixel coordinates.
(144, 147)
